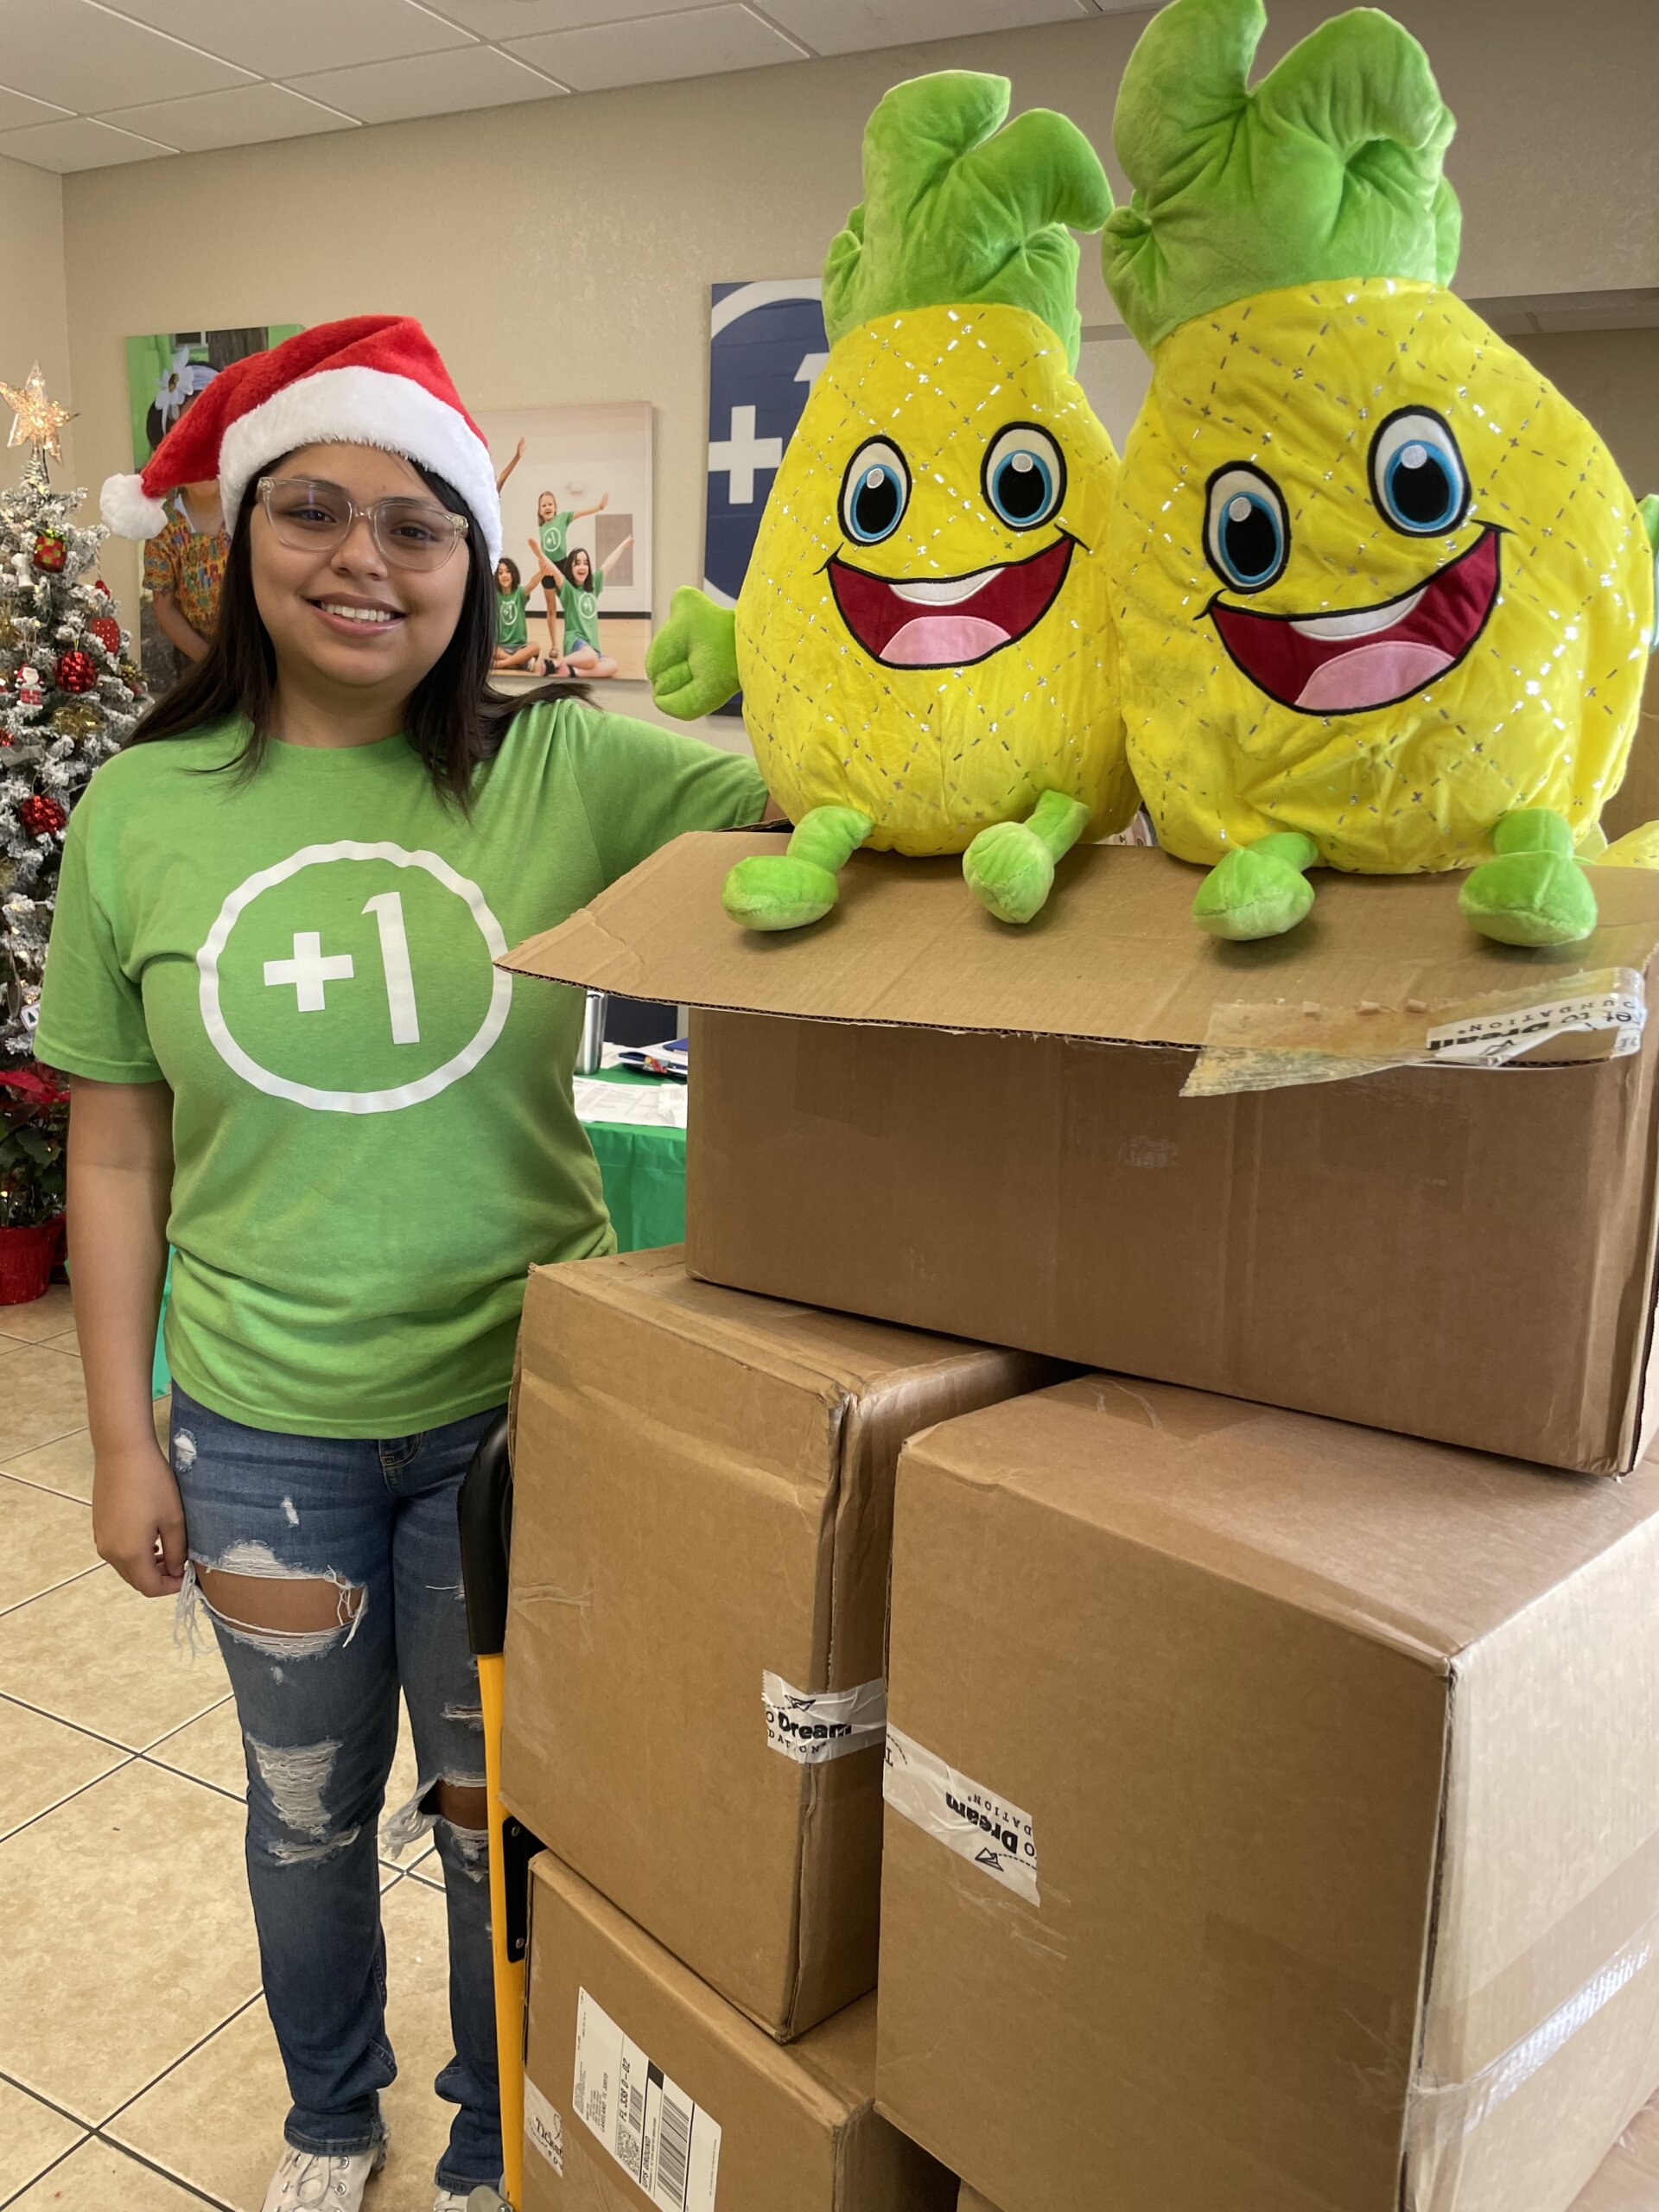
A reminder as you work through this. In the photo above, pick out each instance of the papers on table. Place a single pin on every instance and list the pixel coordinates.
(657, 1105)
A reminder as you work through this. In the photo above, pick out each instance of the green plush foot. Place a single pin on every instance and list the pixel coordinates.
(1258, 891)
(772, 891)
(1009, 870)
(1534, 891)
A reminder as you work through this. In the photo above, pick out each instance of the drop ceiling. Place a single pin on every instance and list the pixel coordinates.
(84, 84)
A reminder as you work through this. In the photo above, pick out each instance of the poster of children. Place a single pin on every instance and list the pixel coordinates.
(184, 565)
(574, 583)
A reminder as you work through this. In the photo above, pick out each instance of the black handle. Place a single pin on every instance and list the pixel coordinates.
(486, 1510)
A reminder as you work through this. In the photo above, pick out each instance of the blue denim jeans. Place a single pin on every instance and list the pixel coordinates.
(319, 1715)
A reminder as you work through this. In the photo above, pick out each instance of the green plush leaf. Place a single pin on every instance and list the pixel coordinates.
(1332, 167)
(960, 208)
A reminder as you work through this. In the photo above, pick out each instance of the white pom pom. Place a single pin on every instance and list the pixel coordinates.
(129, 510)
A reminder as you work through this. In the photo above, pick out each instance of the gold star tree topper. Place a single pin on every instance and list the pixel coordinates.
(36, 420)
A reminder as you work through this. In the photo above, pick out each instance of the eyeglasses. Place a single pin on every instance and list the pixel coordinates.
(317, 517)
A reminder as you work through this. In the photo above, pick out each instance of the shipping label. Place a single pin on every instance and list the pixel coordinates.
(667, 2145)
(813, 1725)
(1487, 1040)
(543, 2127)
(972, 1821)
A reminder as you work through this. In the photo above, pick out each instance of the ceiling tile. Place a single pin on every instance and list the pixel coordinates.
(428, 83)
(85, 58)
(851, 26)
(80, 143)
(16, 110)
(517, 20)
(698, 42)
(246, 117)
(280, 38)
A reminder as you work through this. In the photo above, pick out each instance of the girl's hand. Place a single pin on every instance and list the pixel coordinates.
(604, 502)
(138, 1519)
(518, 453)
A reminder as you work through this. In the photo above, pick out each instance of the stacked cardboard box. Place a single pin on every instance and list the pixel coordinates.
(1273, 1804)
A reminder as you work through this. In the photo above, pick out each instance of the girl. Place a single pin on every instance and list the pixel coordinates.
(579, 606)
(553, 523)
(273, 980)
(512, 646)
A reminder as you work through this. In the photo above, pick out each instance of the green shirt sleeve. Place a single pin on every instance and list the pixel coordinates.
(92, 1010)
(642, 787)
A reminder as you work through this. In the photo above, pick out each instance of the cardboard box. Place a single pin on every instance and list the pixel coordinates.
(696, 1641)
(1628, 2178)
(970, 2200)
(1443, 1251)
(721, 2109)
(1281, 1812)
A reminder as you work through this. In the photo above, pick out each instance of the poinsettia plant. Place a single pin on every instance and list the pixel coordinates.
(34, 1131)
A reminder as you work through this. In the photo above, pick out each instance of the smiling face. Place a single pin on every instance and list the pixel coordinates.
(1377, 581)
(580, 567)
(344, 617)
(546, 507)
(924, 631)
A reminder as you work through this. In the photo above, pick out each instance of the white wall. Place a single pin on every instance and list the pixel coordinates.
(34, 317)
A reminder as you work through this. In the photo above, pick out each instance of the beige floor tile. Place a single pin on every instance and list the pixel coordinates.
(44, 1318)
(42, 1763)
(65, 1466)
(99, 1656)
(31, 2136)
(236, 2077)
(43, 1395)
(98, 2179)
(127, 1935)
(44, 1541)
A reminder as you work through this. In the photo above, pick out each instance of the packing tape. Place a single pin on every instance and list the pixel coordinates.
(811, 1727)
(1598, 1013)
(967, 1818)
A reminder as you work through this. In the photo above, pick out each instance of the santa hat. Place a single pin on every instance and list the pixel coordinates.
(370, 381)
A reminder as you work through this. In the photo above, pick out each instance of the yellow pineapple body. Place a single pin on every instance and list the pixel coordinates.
(1539, 706)
(934, 753)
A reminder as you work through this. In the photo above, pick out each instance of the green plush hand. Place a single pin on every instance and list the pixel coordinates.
(958, 209)
(1534, 892)
(1649, 510)
(1258, 891)
(787, 890)
(1330, 168)
(1010, 867)
(692, 660)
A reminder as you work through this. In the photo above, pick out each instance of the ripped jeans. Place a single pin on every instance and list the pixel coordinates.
(319, 1715)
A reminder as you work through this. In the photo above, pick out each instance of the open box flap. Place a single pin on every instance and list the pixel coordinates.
(1115, 954)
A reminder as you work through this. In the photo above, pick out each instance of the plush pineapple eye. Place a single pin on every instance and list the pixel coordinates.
(1024, 476)
(1418, 479)
(874, 492)
(1246, 531)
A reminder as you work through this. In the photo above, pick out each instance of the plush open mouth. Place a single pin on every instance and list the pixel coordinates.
(1372, 655)
(949, 621)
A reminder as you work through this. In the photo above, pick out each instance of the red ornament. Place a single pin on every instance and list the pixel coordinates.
(40, 815)
(98, 584)
(50, 551)
(75, 671)
(107, 631)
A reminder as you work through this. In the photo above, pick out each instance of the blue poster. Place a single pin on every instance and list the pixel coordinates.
(767, 346)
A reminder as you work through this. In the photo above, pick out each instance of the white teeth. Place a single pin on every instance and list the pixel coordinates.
(379, 614)
(946, 591)
(1364, 622)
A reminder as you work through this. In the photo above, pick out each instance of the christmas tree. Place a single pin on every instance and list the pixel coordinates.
(70, 695)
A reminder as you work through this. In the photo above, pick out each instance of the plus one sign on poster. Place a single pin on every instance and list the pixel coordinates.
(765, 349)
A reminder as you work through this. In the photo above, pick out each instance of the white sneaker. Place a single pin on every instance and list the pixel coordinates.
(311, 2181)
(482, 2199)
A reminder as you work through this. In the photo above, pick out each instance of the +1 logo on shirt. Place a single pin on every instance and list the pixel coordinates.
(362, 964)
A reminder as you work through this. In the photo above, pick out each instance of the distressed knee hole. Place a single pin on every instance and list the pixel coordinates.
(295, 1775)
(464, 1805)
(285, 1611)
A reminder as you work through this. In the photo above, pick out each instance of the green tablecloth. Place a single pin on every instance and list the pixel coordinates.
(643, 1172)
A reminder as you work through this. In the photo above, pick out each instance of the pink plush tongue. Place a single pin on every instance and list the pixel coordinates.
(1370, 675)
(942, 641)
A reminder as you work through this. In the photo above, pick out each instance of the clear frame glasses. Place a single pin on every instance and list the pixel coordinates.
(306, 513)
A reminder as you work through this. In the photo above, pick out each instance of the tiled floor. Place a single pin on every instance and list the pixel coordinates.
(137, 2069)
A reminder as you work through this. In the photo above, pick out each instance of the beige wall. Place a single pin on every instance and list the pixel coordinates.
(33, 317)
(562, 251)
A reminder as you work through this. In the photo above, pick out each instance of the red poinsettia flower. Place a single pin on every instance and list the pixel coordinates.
(35, 1083)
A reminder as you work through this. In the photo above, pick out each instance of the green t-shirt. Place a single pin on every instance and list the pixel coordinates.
(372, 1126)
(510, 631)
(580, 607)
(553, 534)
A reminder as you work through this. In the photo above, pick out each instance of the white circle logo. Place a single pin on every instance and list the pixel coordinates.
(309, 973)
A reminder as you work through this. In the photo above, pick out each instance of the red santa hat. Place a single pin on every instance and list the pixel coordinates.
(370, 381)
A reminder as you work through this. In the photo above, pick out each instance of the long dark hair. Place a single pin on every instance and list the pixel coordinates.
(511, 568)
(567, 567)
(454, 721)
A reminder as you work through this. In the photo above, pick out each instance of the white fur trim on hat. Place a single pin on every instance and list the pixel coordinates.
(363, 407)
(128, 508)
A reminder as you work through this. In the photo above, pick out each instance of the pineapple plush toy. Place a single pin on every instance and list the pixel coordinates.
(923, 639)
(1383, 599)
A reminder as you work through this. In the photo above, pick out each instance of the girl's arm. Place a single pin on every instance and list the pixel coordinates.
(120, 1185)
(598, 507)
(615, 554)
(517, 455)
